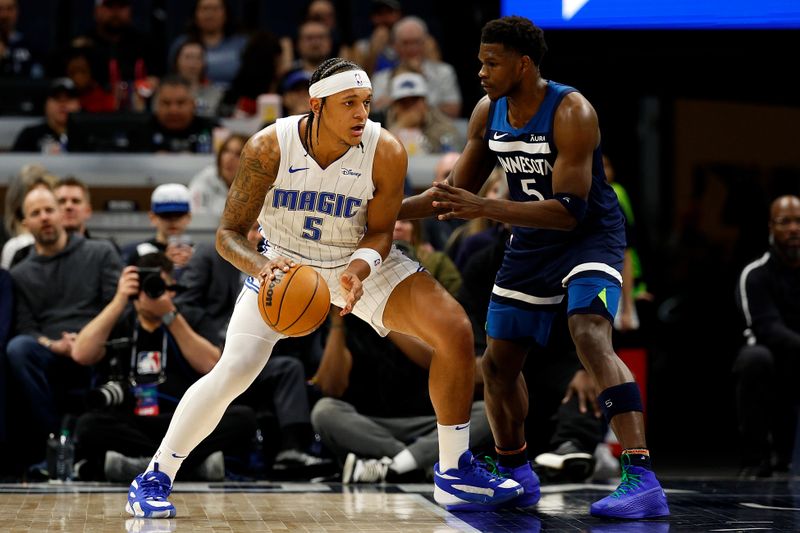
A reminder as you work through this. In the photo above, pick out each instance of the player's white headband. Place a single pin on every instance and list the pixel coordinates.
(350, 79)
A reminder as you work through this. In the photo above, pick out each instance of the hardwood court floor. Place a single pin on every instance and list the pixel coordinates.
(697, 505)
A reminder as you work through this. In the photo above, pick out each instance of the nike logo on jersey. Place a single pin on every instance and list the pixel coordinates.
(293, 170)
(499, 135)
(176, 456)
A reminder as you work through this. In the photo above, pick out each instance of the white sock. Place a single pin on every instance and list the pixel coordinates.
(169, 461)
(403, 462)
(453, 441)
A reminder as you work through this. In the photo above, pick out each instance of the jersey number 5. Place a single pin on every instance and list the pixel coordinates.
(527, 188)
(312, 230)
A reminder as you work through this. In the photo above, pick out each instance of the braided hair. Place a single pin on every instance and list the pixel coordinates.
(328, 67)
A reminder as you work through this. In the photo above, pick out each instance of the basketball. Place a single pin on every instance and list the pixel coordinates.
(296, 303)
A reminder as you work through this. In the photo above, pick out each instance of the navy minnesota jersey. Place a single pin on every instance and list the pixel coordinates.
(538, 262)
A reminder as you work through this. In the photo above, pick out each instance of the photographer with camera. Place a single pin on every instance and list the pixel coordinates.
(151, 356)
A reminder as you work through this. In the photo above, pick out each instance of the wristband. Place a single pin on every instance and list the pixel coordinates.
(574, 204)
(372, 258)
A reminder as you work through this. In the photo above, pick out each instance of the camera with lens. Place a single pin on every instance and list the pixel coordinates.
(116, 390)
(151, 283)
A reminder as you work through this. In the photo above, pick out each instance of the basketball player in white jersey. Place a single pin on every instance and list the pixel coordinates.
(326, 189)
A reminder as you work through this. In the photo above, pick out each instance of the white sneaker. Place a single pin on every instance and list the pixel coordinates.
(364, 470)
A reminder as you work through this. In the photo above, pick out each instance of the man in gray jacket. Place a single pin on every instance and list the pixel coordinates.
(59, 287)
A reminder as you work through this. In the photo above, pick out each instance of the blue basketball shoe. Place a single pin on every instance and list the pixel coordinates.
(525, 476)
(471, 487)
(147, 496)
(639, 495)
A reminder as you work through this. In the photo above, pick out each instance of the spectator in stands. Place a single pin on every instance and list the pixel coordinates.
(171, 356)
(294, 90)
(437, 232)
(50, 137)
(190, 64)
(634, 288)
(213, 25)
(314, 45)
(421, 128)
(375, 52)
(209, 187)
(130, 60)
(17, 57)
(211, 288)
(257, 75)
(376, 416)
(19, 185)
(76, 209)
(408, 238)
(175, 126)
(6, 321)
(81, 65)
(409, 38)
(766, 368)
(170, 214)
(64, 283)
(480, 232)
(324, 12)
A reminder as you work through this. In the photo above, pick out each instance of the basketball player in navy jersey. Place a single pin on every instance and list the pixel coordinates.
(568, 241)
(326, 189)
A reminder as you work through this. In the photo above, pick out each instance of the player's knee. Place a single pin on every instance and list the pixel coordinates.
(453, 330)
(19, 351)
(591, 333)
(323, 412)
(494, 373)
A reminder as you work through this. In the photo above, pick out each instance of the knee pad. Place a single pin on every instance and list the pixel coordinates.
(622, 398)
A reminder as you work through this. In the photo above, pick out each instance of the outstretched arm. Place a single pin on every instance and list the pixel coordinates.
(470, 171)
(576, 135)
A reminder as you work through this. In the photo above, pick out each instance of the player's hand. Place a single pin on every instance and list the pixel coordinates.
(584, 387)
(456, 202)
(353, 290)
(279, 264)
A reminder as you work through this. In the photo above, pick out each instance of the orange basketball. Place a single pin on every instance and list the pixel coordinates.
(296, 303)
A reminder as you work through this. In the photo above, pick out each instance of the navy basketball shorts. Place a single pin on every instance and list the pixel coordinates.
(585, 295)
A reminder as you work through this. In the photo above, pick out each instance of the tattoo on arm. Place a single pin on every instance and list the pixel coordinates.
(257, 170)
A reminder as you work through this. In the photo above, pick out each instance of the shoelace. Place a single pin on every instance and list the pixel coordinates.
(153, 489)
(482, 468)
(372, 470)
(490, 464)
(628, 483)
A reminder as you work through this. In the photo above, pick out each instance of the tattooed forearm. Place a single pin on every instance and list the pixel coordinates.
(257, 169)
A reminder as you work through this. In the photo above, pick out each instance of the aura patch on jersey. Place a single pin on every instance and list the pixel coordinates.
(593, 295)
(327, 203)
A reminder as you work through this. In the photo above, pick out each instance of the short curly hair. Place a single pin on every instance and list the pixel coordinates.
(516, 33)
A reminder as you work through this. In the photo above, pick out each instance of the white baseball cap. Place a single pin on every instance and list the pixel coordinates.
(408, 84)
(170, 198)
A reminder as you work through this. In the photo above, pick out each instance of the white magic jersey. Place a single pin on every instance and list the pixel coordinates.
(319, 215)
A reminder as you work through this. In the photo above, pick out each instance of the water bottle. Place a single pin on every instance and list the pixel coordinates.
(64, 451)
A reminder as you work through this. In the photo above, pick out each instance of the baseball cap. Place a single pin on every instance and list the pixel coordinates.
(170, 198)
(408, 84)
(293, 79)
(61, 86)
